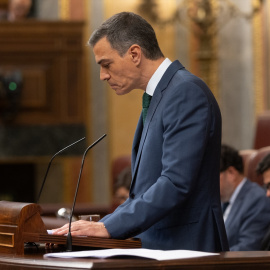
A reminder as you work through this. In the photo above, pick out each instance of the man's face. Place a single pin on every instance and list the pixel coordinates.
(20, 8)
(266, 181)
(121, 195)
(226, 186)
(121, 73)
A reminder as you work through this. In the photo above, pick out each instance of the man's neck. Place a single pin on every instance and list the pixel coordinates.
(148, 68)
(239, 179)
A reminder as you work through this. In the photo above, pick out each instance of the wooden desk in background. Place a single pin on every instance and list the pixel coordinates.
(229, 260)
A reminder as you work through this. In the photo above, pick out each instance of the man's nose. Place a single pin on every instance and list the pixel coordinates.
(104, 76)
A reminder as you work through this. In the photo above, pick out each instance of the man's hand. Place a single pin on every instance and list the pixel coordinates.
(83, 227)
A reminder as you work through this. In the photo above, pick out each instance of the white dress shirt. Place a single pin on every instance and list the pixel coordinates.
(233, 198)
(153, 82)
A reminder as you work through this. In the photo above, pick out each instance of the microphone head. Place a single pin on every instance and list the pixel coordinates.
(65, 214)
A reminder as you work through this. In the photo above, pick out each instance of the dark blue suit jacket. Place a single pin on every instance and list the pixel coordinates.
(174, 198)
(249, 218)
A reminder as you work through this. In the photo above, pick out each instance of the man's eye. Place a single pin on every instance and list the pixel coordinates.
(106, 66)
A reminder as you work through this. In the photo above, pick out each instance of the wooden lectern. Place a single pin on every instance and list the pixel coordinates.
(21, 223)
(16, 220)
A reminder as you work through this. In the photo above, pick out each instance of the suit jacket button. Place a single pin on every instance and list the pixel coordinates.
(132, 195)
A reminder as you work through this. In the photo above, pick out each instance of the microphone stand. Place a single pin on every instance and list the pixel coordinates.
(69, 237)
(51, 163)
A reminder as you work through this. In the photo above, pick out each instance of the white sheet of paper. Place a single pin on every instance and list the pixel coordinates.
(159, 255)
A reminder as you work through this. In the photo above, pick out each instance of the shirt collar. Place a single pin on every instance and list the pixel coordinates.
(233, 198)
(153, 82)
(237, 190)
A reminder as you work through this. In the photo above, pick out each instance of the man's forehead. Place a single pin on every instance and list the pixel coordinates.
(103, 51)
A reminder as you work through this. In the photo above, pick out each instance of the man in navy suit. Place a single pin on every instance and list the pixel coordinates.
(247, 215)
(174, 200)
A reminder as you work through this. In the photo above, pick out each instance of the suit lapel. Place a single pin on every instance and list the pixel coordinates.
(136, 143)
(237, 202)
(162, 85)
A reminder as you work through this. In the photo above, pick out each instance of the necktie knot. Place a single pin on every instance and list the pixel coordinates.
(145, 104)
(146, 100)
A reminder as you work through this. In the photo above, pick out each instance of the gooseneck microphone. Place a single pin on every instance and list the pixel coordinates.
(69, 237)
(51, 163)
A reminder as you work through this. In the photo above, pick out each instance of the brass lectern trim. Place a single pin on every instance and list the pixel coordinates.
(5, 238)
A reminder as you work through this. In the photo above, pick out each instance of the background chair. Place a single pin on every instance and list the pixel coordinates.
(262, 133)
(246, 154)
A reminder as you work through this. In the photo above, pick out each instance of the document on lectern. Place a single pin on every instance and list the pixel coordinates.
(159, 255)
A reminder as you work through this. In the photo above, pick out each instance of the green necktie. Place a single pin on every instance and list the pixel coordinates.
(146, 99)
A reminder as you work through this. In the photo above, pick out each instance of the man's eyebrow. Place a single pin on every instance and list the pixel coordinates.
(102, 61)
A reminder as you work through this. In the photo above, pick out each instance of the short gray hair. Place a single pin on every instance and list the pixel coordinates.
(124, 29)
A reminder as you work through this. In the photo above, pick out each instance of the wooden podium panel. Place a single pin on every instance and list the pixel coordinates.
(16, 219)
(21, 223)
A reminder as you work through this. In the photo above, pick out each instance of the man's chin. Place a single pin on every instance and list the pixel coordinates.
(119, 92)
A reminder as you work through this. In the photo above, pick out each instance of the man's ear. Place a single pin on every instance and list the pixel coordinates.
(232, 172)
(135, 52)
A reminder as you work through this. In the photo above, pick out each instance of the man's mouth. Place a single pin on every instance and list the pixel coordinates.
(113, 86)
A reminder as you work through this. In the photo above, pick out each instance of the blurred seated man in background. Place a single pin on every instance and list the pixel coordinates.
(121, 187)
(18, 9)
(263, 168)
(246, 209)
